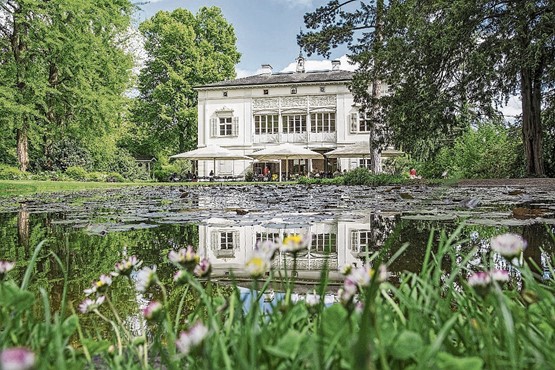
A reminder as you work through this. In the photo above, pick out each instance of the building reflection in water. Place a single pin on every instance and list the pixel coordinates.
(334, 243)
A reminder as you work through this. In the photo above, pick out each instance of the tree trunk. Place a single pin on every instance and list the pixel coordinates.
(374, 141)
(22, 147)
(531, 121)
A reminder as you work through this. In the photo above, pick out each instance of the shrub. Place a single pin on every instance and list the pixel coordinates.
(249, 176)
(358, 176)
(77, 173)
(114, 177)
(97, 176)
(487, 151)
(11, 173)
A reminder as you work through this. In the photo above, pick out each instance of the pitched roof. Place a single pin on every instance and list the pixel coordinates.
(284, 78)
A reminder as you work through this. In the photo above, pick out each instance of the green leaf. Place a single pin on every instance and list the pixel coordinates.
(288, 346)
(407, 345)
(333, 320)
(13, 297)
(95, 346)
(449, 362)
(69, 326)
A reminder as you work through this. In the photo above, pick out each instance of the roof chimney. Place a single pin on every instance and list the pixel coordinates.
(300, 64)
(335, 64)
(266, 69)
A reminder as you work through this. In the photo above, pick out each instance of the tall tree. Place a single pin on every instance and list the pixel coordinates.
(184, 50)
(62, 69)
(451, 60)
(335, 23)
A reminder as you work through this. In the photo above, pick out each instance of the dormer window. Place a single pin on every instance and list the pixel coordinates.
(293, 90)
(265, 91)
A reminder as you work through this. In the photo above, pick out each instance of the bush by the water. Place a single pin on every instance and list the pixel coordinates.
(11, 173)
(362, 176)
(487, 151)
(456, 313)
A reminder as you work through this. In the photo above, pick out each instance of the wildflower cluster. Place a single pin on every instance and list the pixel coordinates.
(100, 286)
(191, 339)
(188, 261)
(357, 279)
(508, 245)
(5, 267)
(17, 358)
(265, 252)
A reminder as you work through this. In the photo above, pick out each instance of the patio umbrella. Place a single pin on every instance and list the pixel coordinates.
(286, 152)
(210, 152)
(360, 150)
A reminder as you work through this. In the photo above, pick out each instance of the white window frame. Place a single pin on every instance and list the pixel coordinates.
(224, 120)
(294, 123)
(360, 122)
(323, 122)
(266, 124)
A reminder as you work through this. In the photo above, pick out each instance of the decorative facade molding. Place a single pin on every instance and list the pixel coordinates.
(300, 102)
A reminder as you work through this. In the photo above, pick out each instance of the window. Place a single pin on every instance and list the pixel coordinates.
(360, 240)
(293, 90)
(226, 241)
(361, 122)
(322, 122)
(225, 93)
(294, 124)
(265, 91)
(226, 126)
(266, 124)
(322, 89)
(324, 243)
(262, 237)
(365, 163)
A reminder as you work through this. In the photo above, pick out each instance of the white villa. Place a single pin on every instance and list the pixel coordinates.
(314, 110)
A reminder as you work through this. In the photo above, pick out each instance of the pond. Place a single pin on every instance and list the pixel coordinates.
(92, 230)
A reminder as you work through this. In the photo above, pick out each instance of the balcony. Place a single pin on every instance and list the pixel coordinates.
(322, 137)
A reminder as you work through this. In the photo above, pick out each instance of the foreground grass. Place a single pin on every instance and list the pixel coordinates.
(438, 318)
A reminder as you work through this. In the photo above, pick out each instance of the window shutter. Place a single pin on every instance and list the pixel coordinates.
(236, 240)
(215, 240)
(235, 129)
(214, 127)
(354, 122)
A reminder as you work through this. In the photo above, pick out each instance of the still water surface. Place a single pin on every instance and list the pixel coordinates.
(90, 231)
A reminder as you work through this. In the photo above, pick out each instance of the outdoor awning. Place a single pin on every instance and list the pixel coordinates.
(210, 152)
(360, 150)
(285, 152)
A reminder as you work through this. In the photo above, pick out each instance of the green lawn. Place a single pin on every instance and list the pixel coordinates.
(25, 187)
(10, 188)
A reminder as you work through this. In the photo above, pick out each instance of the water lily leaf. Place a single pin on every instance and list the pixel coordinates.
(438, 217)
(407, 345)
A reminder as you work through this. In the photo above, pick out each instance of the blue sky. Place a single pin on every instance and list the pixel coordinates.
(266, 30)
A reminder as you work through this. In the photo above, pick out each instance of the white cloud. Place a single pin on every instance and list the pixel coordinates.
(513, 108)
(297, 3)
(245, 73)
(322, 65)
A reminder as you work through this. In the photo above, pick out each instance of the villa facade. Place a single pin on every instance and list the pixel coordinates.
(314, 110)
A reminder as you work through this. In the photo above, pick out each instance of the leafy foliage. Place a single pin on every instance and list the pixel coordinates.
(488, 151)
(185, 50)
(62, 71)
(448, 64)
